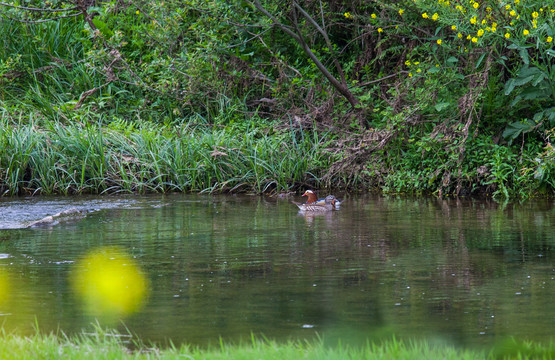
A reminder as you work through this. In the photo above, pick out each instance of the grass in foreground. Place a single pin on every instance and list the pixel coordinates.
(108, 345)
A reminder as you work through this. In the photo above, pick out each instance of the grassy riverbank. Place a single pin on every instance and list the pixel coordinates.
(101, 345)
(55, 158)
(403, 98)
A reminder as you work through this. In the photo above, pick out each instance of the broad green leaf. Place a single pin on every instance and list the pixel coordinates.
(442, 106)
(509, 86)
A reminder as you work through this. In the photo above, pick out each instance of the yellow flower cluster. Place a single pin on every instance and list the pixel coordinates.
(478, 21)
(520, 19)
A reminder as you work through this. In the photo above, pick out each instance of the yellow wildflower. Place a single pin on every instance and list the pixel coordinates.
(137, 12)
(401, 12)
(373, 16)
(348, 15)
(480, 32)
(459, 35)
(453, 27)
(475, 5)
(438, 41)
(549, 39)
(512, 13)
(407, 63)
(473, 20)
(526, 32)
(410, 74)
(507, 6)
(474, 40)
(380, 30)
(535, 14)
(425, 15)
(507, 35)
(435, 16)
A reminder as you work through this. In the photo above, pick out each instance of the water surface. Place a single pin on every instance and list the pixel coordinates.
(464, 271)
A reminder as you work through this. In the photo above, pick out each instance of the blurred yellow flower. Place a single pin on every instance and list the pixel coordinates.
(401, 12)
(380, 30)
(348, 15)
(507, 7)
(475, 5)
(407, 63)
(438, 41)
(425, 16)
(373, 16)
(459, 35)
(480, 32)
(549, 39)
(474, 40)
(535, 14)
(453, 27)
(512, 13)
(435, 16)
(526, 32)
(137, 12)
(507, 35)
(473, 20)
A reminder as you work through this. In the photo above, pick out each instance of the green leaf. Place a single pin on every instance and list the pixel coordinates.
(479, 62)
(523, 80)
(524, 56)
(514, 130)
(442, 106)
(509, 86)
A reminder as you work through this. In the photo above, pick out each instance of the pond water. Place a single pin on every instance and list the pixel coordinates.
(466, 272)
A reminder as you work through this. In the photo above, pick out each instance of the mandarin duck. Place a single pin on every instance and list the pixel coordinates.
(328, 205)
(313, 199)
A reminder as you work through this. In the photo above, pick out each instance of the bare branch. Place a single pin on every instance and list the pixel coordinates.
(297, 35)
(43, 20)
(38, 9)
(326, 38)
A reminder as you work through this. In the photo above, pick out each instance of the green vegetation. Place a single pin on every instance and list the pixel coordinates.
(411, 97)
(132, 157)
(111, 345)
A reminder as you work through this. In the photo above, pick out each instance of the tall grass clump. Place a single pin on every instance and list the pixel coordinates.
(57, 158)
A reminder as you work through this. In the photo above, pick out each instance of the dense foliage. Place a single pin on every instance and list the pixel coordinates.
(445, 97)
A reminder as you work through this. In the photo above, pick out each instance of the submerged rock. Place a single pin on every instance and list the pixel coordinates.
(66, 215)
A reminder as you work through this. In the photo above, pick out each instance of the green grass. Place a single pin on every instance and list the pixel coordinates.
(110, 345)
(57, 158)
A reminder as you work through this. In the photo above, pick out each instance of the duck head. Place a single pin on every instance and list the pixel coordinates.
(312, 198)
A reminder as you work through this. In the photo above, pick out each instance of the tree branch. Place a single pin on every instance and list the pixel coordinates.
(297, 36)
